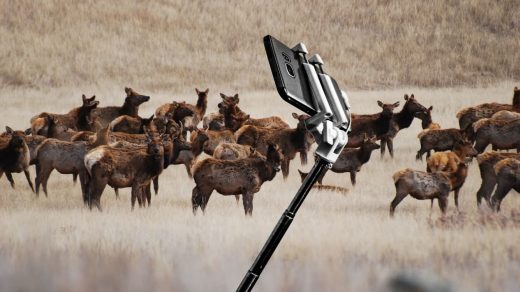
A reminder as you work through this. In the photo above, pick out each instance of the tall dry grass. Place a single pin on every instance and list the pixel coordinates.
(177, 44)
(337, 242)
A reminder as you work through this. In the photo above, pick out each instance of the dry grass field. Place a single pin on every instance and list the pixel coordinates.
(450, 54)
(337, 243)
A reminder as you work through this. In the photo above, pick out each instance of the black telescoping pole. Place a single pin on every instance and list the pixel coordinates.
(285, 221)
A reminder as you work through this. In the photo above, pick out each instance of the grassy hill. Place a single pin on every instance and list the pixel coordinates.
(178, 44)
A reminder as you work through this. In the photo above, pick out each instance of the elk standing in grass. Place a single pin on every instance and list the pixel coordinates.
(14, 155)
(123, 168)
(243, 176)
(438, 140)
(351, 160)
(426, 186)
(105, 115)
(501, 134)
(508, 177)
(486, 164)
(290, 141)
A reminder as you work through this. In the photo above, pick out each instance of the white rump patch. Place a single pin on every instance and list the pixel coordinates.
(92, 157)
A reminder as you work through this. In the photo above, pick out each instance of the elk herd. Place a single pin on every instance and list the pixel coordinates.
(117, 147)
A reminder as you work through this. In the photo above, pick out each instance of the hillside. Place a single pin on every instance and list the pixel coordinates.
(177, 44)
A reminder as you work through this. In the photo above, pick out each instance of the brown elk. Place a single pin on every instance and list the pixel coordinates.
(426, 120)
(14, 155)
(207, 141)
(78, 119)
(427, 186)
(438, 140)
(232, 151)
(123, 168)
(508, 177)
(234, 117)
(351, 160)
(486, 164)
(501, 134)
(187, 114)
(371, 125)
(131, 125)
(290, 141)
(213, 121)
(467, 116)
(243, 176)
(66, 157)
(130, 107)
(401, 120)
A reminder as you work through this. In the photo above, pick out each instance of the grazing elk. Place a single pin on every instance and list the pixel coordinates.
(131, 125)
(350, 160)
(371, 125)
(66, 157)
(290, 141)
(501, 134)
(427, 186)
(105, 115)
(243, 176)
(77, 119)
(438, 140)
(213, 121)
(123, 168)
(234, 117)
(232, 151)
(207, 141)
(14, 155)
(508, 177)
(486, 164)
(467, 116)
(187, 114)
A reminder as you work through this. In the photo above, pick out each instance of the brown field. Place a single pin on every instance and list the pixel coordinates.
(337, 242)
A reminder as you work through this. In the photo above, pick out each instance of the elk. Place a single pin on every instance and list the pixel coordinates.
(467, 116)
(207, 141)
(14, 155)
(438, 140)
(401, 120)
(371, 125)
(213, 121)
(486, 164)
(351, 160)
(78, 119)
(234, 117)
(505, 116)
(290, 141)
(131, 125)
(66, 157)
(508, 177)
(123, 168)
(243, 176)
(426, 120)
(232, 151)
(130, 107)
(501, 134)
(187, 114)
(427, 186)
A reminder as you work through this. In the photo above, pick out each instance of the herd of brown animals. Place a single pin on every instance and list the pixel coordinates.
(115, 146)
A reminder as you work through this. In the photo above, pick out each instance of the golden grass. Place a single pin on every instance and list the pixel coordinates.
(337, 242)
(171, 45)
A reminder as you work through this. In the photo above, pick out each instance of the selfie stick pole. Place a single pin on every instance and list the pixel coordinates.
(331, 138)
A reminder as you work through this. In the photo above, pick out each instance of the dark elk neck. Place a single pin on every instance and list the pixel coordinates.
(364, 154)
(129, 110)
(403, 118)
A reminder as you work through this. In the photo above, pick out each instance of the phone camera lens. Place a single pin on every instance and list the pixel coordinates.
(290, 70)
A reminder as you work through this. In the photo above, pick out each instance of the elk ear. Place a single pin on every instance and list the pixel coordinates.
(28, 131)
(516, 88)
(222, 95)
(83, 98)
(197, 90)
(8, 130)
(430, 108)
(412, 96)
(380, 103)
(128, 91)
(295, 115)
(207, 90)
(151, 117)
(406, 97)
(396, 104)
(235, 97)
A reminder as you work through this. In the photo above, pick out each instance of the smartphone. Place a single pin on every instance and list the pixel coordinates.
(289, 75)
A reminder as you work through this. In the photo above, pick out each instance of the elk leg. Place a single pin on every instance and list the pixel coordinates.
(320, 178)
(10, 178)
(156, 185)
(431, 205)
(383, 147)
(206, 194)
(195, 199)
(419, 154)
(95, 190)
(42, 177)
(390, 145)
(247, 199)
(149, 194)
(399, 196)
(135, 195)
(187, 164)
(303, 157)
(116, 191)
(485, 190)
(353, 177)
(83, 184)
(75, 177)
(443, 203)
(428, 154)
(28, 177)
(502, 189)
(237, 198)
(285, 167)
(457, 190)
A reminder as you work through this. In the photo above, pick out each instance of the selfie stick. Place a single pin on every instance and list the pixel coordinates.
(329, 126)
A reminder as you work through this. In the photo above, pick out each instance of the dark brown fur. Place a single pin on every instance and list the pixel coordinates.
(508, 177)
(14, 155)
(438, 140)
(486, 165)
(105, 115)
